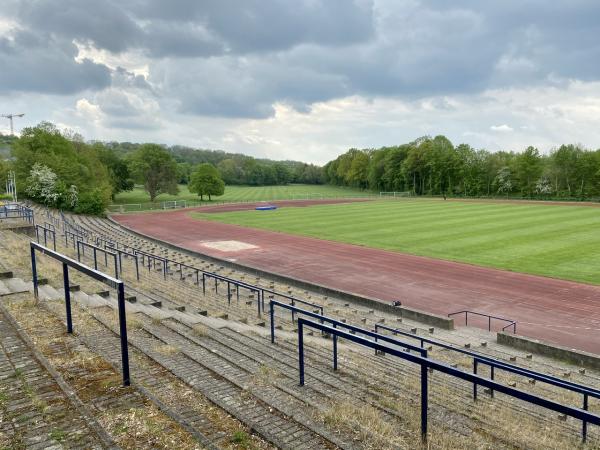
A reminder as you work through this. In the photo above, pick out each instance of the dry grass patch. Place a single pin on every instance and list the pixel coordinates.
(365, 423)
(200, 330)
(166, 349)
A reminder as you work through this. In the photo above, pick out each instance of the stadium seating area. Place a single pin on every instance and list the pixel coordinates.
(207, 361)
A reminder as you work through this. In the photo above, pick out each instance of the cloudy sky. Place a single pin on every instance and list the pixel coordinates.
(305, 79)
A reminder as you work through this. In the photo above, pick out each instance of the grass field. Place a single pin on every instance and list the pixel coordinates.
(247, 193)
(551, 240)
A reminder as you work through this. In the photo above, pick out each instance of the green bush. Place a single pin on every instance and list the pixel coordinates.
(91, 203)
(5, 197)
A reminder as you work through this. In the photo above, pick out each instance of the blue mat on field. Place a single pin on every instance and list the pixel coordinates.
(266, 208)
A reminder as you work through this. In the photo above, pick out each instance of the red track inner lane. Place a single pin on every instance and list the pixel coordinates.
(559, 311)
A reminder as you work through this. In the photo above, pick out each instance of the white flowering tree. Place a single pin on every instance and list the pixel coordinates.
(73, 196)
(543, 186)
(503, 181)
(42, 184)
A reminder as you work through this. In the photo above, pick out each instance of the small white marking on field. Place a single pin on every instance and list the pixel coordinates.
(228, 246)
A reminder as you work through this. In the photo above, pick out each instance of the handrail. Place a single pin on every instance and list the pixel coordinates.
(17, 211)
(120, 253)
(114, 283)
(47, 231)
(511, 323)
(428, 363)
(82, 245)
(337, 323)
(479, 358)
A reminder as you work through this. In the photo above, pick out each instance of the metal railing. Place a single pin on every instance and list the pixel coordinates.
(495, 363)
(511, 323)
(426, 363)
(338, 324)
(46, 232)
(96, 275)
(17, 211)
(81, 246)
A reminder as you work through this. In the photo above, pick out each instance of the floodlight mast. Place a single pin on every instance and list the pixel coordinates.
(10, 117)
(11, 186)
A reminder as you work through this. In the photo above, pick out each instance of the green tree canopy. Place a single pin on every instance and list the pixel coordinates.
(155, 168)
(3, 174)
(120, 178)
(74, 162)
(206, 180)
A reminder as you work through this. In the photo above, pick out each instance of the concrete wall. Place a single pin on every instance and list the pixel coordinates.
(435, 320)
(569, 355)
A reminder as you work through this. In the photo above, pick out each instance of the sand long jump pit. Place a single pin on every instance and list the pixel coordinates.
(228, 246)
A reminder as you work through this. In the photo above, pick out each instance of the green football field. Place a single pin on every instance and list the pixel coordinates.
(551, 240)
(246, 193)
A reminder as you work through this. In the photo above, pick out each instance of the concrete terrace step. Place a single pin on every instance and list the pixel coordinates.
(17, 285)
(286, 429)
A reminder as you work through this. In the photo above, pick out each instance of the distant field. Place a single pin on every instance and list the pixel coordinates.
(556, 241)
(247, 193)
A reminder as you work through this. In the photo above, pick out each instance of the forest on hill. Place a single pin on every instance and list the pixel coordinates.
(235, 168)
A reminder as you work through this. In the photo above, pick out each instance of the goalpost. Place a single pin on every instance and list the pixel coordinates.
(172, 204)
(396, 194)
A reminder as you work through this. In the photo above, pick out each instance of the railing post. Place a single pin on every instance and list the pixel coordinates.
(474, 384)
(203, 283)
(67, 297)
(489, 323)
(95, 258)
(424, 400)
(584, 425)
(335, 351)
(272, 319)
(301, 352)
(34, 274)
(116, 266)
(123, 334)
(229, 293)
(466, 318)
(492, 377)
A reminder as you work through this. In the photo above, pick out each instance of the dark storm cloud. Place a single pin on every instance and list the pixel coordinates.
(27, 65)
(236, 58)
(103, 23)
(257, 25)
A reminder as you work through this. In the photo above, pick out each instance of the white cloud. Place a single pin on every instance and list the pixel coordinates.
(501, 128)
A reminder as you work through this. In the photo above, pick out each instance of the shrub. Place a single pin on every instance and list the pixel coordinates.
(91, 203)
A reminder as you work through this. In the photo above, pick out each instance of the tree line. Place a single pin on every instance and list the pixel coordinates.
(434, 166)
(61, 170)
(235, 168)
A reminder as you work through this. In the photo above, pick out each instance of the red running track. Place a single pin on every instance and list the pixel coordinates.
(563, 312)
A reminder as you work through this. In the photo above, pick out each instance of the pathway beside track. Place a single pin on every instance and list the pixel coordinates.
(559, 311)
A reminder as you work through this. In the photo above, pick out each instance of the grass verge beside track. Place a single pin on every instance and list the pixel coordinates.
(550, 240)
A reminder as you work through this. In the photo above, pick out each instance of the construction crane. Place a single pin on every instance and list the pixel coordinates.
(10, 117)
